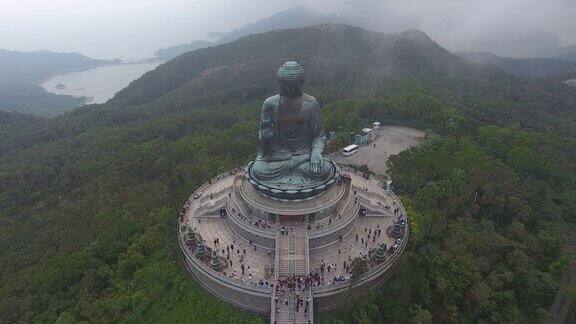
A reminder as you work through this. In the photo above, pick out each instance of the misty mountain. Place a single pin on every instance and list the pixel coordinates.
(290, 18)
(565, 53)
(29, 67)
(33, 99)
(568, 78)
(239, 70)
(529, 67)
(21, 71)
(173, 51)
(510, 41)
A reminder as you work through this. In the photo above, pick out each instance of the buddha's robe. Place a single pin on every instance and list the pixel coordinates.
(285, 149)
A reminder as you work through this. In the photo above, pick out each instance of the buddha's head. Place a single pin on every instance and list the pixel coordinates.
(290, 76)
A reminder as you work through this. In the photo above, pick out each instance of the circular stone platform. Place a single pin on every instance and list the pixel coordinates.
(265, 241)
(263, 204)
(292, 191)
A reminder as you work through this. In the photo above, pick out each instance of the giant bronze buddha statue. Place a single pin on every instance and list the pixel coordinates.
(290, 163)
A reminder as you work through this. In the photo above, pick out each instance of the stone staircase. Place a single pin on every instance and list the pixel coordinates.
(292, 254)
(286, 314)
(291, 250)
(282, 315)
(283, 252)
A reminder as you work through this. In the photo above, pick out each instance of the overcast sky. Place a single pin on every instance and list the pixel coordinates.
(136, 28)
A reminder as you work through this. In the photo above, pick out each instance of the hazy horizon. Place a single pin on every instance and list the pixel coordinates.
(130, 28)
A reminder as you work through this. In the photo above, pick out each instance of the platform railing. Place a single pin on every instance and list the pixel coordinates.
(311, 307)
(273, 307)
(276, 270)
(306, 252)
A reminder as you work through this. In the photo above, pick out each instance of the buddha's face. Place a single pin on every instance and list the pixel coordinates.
(291, 89)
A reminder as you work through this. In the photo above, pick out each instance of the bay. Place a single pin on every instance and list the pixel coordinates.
(98, 84)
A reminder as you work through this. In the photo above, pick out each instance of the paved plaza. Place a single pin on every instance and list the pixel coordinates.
(340, 254)
(237, 250)
(390, 140)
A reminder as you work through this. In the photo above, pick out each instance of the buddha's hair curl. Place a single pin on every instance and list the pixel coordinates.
(290, 71)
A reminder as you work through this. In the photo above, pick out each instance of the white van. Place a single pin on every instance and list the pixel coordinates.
(350, 149)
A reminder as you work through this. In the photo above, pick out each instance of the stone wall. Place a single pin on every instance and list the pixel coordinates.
(327, 237)
(260, 238)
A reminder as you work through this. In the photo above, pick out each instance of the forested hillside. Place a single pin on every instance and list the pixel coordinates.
(33, 99)
(176, 50)
(525, 67)
(89, 200)
(11, 123)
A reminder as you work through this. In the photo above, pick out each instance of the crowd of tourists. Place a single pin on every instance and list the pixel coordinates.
(235, 251)
(295, 286)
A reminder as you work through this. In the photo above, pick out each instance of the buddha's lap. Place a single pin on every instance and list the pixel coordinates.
(278, 169)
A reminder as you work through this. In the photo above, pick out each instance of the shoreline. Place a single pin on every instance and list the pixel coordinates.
(94, 95)
(39, 83)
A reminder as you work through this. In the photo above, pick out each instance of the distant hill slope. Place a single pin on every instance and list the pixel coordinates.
(11, 122)
(14, 120)
(351, 59)
(568, 78)
(290, 18)
(33, 99)
(28, 67)
(173, 51)
(566, 53)
(20, 71)
(524, 67)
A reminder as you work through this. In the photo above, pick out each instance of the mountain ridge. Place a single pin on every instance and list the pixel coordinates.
(295, 17)
(565, 53)
(185, 67)
(29, 67)
(523, 67)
